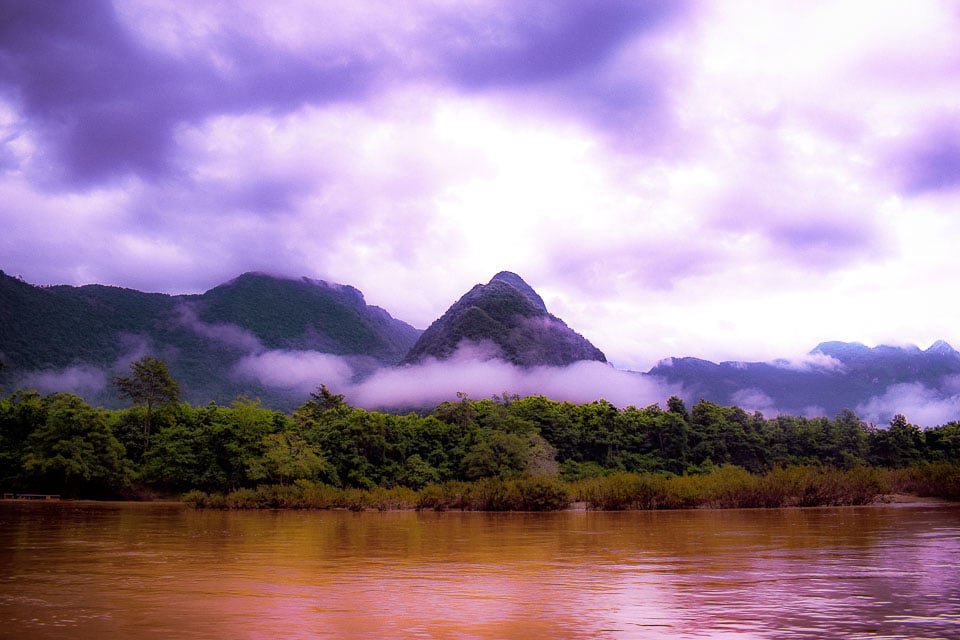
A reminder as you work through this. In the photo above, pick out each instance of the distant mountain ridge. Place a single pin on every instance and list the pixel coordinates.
(507, 319)
(835, 376)
(203, 337)
(238, 337)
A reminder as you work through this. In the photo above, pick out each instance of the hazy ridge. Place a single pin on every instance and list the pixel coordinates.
(277, 338)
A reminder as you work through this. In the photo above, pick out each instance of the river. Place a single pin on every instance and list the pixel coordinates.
(141, 570)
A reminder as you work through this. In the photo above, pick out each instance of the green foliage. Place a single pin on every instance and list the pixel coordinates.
(21, 414)
(283, 313)
(74, 452)
(150, 385)
(286, 457)
(499, 453)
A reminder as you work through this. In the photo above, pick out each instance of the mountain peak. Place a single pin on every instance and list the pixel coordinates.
(941, 347)
(837, 349)
(518, 283)
(507, 315)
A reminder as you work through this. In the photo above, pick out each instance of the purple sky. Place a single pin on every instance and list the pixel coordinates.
(728, 180)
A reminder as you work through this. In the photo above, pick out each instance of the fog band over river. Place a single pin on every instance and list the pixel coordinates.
(140, 570)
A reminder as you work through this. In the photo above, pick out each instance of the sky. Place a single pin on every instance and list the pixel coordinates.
(727, 180)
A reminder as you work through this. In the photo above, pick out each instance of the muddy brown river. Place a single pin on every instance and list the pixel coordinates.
(130, 570)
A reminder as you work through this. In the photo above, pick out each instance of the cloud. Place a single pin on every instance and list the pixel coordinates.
(227, 334)
(435, 381)
(920, 404)
(300, 371)
(930, 162)
(810, 362)
(108, 105)
(751, 400)
(666, 173)
(107, 88)
(540, 41)
(83, 380)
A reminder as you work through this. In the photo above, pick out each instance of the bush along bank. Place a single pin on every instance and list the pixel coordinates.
(727, 487)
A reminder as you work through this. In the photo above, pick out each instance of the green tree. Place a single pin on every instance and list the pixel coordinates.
(74, 452)
(852, 445)
(498, 454)
(943, 442)
(669, 435)
(150, 385)
(20, 415)
(326, 400)
(900, 445)
(417, 473)
(286, 457)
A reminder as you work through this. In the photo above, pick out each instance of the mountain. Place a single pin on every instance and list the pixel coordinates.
(507, 319)
(307, 314)
(278, 338)
(834, 376)
(76, 338)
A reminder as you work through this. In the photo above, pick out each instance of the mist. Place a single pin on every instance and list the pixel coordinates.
(295, 371)
(920, 404)
(229, 335)
(83, 380)
(471, 370)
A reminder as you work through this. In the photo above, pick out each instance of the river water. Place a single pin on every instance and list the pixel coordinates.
(94, 570)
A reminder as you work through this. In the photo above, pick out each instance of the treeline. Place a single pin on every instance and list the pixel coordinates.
(60, 444)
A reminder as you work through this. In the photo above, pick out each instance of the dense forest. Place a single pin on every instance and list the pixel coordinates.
(160, 446)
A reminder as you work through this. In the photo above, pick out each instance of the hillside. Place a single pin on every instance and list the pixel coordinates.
(76, 338)
(278, 338)
(507, 319)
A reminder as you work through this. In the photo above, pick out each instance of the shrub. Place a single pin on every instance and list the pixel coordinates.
(542, 493)
(937, 479)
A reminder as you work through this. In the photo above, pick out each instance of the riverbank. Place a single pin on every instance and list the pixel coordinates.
(726, 487)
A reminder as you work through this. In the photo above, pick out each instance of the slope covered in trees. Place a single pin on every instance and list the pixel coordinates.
(508, 317)
(75, 338)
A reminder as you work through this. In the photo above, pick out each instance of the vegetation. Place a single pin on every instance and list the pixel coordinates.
(45, 331)
(149, 385)
(502, 453)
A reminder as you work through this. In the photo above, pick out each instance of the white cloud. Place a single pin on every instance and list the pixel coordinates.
(920, 404)
(810, 362)
(83, 380)
(435, 381)
(301, 371)
(751, 400)
(227, 334)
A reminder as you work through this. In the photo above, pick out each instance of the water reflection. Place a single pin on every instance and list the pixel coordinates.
(134, 570)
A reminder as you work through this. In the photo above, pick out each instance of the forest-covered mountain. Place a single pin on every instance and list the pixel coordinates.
(835, 376)
(507, 319)
(78, 337)
(252, 335)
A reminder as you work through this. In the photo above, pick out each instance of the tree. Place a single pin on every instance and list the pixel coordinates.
(898, 446)
(149, 386)
(74, 452)
(676, 405)
(286, 457)
(326, 400)
(499, 454)
(20, 415)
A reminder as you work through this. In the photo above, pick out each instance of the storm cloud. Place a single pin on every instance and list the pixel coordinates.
(726, 181)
